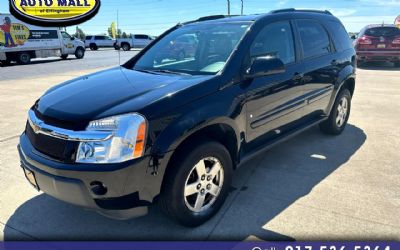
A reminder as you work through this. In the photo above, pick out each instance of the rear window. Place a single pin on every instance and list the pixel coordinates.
(383, 31)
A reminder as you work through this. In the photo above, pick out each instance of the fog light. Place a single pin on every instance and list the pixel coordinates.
(98, 188)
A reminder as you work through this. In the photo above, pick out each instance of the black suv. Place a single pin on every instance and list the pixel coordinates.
(173, 130)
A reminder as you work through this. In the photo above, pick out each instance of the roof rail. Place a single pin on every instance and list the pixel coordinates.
(301, 10)
(206, 18)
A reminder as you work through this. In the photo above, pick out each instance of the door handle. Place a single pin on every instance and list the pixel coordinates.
(297, 76)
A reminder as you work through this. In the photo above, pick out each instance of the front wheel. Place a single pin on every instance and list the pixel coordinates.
(339, 115)
(198, 183)
(79, 53)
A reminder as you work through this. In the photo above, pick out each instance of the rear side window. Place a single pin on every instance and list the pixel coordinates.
(275, 39)
(141, 37)
(99, 38)
(314, 39)
(382, 31)
(88, 37)
(340, 36)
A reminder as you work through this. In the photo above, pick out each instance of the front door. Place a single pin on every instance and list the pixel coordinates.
(274, 102)
(68, 43)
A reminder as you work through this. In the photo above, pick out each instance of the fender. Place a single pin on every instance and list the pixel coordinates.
(193, 119)
(348, 72)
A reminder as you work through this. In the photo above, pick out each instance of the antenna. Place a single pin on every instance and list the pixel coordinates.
(116, 40)
(229, 7)
(241, 9)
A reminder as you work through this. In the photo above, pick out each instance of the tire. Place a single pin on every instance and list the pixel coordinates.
(93, 46)
(181, 207)
(339, 115)
(5, 63)
(64, 56)
(79, 53)
(24, 58)
(116, 47)
(126, 47)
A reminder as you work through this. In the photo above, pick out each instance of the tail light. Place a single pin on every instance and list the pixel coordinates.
(364, 40)
(396, 40)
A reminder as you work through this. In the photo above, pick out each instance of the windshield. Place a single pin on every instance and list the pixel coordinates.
(383, 31)
(196, 49)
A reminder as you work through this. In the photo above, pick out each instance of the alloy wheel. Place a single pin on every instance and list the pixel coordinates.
(204, 184)
(342, 112)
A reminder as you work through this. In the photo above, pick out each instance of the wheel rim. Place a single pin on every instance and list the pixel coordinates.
(80, 53)
(342, 111)
(204, 184)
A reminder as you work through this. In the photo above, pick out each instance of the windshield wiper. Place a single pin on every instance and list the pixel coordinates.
(169, 72)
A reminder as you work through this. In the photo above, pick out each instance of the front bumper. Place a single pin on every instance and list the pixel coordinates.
(384, 55)
(128, 188)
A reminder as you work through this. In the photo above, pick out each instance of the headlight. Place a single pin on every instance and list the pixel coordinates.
(127, 142)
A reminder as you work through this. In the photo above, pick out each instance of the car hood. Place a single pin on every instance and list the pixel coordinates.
(111, 92)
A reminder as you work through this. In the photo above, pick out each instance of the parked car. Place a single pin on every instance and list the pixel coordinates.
(174, 131)
(99, 41)
(378, 43)
(21, 42)
(136, 41)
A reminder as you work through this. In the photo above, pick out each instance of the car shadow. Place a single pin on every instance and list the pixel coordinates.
(379, 66)
(262, 189)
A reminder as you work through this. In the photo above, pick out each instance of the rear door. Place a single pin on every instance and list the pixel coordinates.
(274, 102)
(320, 66)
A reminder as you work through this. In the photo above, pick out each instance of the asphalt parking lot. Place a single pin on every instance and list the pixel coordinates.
(312, 187)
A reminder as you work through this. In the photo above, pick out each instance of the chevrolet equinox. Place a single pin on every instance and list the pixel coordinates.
(171, 130)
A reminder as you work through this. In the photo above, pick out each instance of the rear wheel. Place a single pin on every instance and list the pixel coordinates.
(5, 63)
(93, 46)
(198, 183)
(24, 58)
(79, 53)
(339, 115)
(126, 47)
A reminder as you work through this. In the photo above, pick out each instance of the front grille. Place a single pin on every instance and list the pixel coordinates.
(58, 149)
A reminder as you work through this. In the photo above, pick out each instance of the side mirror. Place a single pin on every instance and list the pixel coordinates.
(264, 66)
(354, 37)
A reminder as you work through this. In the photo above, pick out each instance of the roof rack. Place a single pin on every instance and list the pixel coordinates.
(206, 18)
(301, 10)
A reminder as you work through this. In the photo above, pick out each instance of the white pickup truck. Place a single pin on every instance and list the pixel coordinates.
(21, 42)
(136, 41)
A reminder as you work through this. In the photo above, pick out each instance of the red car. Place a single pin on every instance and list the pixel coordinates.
(378, 43)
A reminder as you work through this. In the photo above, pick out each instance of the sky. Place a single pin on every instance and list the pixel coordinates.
(155, 16)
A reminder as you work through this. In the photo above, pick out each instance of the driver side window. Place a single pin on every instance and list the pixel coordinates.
(275, 39)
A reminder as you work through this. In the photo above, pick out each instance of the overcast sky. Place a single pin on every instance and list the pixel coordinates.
(155, 16)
